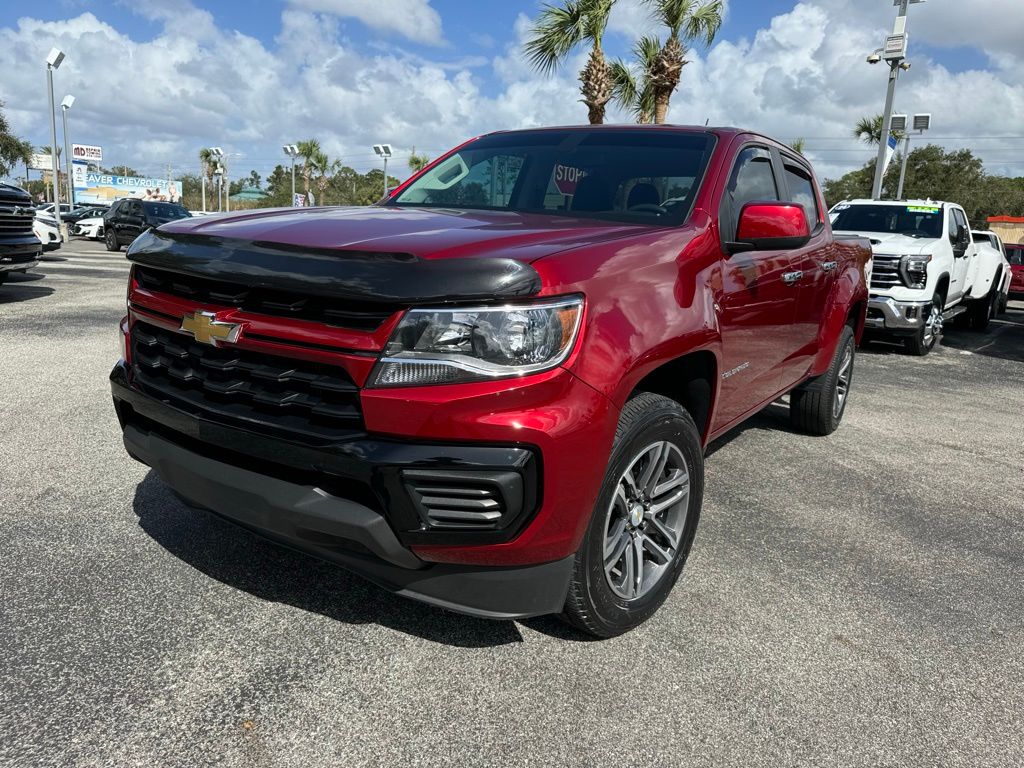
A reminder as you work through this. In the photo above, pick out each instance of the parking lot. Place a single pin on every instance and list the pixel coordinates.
(853, 600)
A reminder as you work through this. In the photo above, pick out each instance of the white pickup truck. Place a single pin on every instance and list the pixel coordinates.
(926, 267)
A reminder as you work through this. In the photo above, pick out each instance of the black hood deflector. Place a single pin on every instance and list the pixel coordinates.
(345, 274)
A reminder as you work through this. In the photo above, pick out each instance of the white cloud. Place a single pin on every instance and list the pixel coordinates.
(158, 100)
(414, 19)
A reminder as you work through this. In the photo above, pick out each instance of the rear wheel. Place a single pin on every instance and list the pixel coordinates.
(110, 239)
(644, 522)
(981, 311)
(817, 406)
(921, 343)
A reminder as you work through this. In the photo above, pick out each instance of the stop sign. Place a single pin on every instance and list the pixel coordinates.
(567, 177)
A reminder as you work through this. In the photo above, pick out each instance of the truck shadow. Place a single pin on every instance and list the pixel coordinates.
(19, 287)
(774, 417)
(1003, 339)
(244, 561)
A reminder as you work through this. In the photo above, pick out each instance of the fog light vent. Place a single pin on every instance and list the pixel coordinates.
(465, 500)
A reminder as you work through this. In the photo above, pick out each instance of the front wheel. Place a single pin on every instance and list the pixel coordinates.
(110, 239)
(922, 342)
(644, 522)
(817, 406)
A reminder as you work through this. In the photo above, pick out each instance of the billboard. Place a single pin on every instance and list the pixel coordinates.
(86, 153)
(103, 188)
(41, 162)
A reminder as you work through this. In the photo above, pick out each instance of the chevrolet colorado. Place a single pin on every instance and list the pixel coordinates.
(492, 390)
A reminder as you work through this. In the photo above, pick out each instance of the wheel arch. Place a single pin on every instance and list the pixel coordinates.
(691, 380)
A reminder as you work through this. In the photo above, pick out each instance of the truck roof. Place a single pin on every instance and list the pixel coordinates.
(928, 203)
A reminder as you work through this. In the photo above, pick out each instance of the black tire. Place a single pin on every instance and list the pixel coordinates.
(3, 277)
(817, 406)
(591, 605)
(980, 311)
(110, 240)
(921, 343)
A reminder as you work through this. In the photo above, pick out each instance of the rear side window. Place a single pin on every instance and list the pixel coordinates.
(801, 192)
(1015, 255)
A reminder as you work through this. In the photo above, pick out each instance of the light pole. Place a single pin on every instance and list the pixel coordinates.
(53, 61)
(384, 151)
(894, 53)
(293, 152)
(65, 105)
(921, 124)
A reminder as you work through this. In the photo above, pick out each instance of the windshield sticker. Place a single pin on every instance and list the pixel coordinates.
(922, 209)
(841, 207)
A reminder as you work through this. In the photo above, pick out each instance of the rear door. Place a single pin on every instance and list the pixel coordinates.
(757, 300)
(816, 262)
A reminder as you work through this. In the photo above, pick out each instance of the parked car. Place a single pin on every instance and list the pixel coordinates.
(1015, 255)
(91, 228)
(128, 218)
(924, 267)
(47, 231)
(994, 273)
(492, 392)
(86, 212)
(19, 246)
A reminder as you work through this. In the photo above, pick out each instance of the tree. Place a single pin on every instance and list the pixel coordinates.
(798, 145)
(12, 149)
(121, 170)
(869, 130)
(254, 180)
(280, 181)
(325, 168)
(633, 90)
(685, 21)
(560, 29)
(417, 162)
(308, 149)
(208, 163)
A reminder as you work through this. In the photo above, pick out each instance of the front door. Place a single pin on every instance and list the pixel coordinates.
(757, 300)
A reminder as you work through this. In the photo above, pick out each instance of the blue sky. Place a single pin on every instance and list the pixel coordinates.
(157, 79)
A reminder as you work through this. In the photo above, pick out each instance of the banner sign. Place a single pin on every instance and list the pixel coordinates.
(86, 153)
(103, 188)
(41, 163)
(298, 200)
(890, 150)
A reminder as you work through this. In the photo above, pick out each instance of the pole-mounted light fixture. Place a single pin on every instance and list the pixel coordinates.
(53, 61)
(292, 151)
(384, 151)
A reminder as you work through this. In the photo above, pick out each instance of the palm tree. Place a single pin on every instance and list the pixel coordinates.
(308, 149)
(209, 164)
(418, 162)
(798, 145)
(12, 149)
(869, 130)
(688, 21)
(631, 89)
(325, 169)
(559, 30)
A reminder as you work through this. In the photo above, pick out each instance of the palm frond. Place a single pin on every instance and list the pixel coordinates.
(557, 31)
(624, 85)
(704, 22)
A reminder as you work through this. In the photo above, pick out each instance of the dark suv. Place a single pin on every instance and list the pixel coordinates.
(129, 218)
(19, 247)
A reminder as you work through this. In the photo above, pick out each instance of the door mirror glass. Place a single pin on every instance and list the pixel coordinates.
(771, 226)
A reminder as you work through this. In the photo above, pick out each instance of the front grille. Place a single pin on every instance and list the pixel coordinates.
(886, 271)
(361, 316)
(16, 225)
(245, 388)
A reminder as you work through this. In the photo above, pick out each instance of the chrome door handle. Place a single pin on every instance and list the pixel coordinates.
(828, 266)
(790, 278)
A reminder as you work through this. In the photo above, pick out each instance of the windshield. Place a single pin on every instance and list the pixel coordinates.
(628, 175)
(166, 211)
(1015, 254)
(923, 221)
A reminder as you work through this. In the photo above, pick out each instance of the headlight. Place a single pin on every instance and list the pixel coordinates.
(915, 269)
(446, 346)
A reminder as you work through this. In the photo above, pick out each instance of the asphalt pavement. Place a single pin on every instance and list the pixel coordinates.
(853, 600)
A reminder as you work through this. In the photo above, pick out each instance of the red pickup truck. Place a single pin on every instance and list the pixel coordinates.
(492, 391)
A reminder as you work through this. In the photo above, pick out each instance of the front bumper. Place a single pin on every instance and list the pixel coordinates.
(887, 314)
(19, 256)
(348, 533)
(348, 501)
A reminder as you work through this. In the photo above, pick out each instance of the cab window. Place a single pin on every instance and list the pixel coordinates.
(801, 192)
(752, 179)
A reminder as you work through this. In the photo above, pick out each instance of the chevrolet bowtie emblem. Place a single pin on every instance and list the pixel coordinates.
(207, 329)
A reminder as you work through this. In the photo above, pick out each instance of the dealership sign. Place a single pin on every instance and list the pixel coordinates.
(105, 188)
(86, 153)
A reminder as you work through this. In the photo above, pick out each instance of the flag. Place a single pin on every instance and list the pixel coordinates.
(890, 150)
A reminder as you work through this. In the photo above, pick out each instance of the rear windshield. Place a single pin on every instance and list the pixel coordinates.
(166, 211)
(638, 176)
(1015, 254)
(910, 220)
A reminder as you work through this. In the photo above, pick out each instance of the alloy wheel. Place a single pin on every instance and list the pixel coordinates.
(933, 326)
(843, 380)
(645, 520)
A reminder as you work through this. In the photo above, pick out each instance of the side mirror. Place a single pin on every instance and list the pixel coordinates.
(963, 239)
(771, 226)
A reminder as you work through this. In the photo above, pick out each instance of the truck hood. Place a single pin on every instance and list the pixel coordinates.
(427, 233)
(882, 242)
